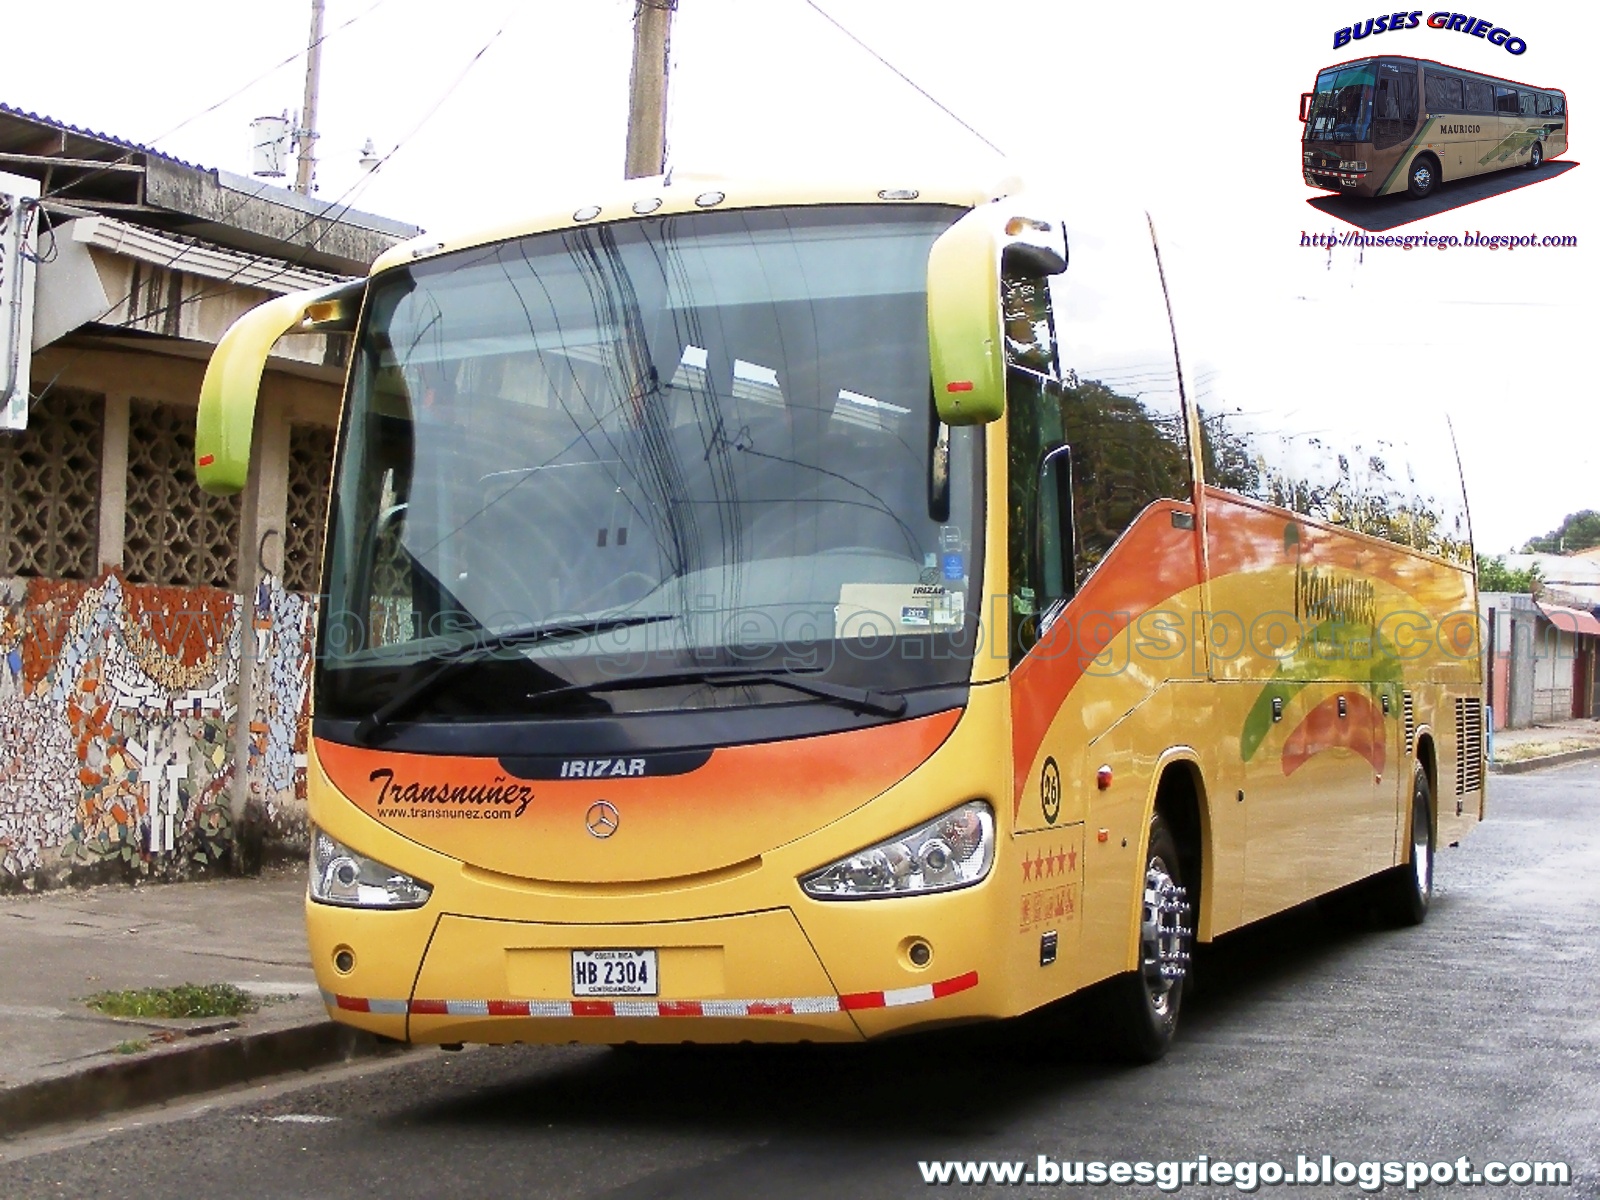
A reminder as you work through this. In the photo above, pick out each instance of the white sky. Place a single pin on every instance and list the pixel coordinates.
(1187, 111)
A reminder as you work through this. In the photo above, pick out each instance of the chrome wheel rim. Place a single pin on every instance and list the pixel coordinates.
(1163, 936)
(1421, 849)
(1537, 156)
(1422, 177)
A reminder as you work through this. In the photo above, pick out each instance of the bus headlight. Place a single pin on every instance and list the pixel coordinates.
(951, 851)
(341, 876)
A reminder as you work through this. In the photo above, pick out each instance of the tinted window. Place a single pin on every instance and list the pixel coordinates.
(1477, 96)
(1525, 103)
(1444, 94)
(1505, 100)
(1329, 462)
(1394, 110)
(1120, 397)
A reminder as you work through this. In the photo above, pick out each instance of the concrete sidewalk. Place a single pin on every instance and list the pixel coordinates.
(1517, 750)
(61, 1060)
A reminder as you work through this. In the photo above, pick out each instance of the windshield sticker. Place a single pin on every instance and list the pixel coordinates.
(949, 537)
(955, 566)
(867, 610)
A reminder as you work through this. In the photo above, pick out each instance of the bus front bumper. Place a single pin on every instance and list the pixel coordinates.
(753, 976)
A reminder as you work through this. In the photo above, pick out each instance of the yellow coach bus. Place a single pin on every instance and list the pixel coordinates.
(777, 614)
(1380, 126)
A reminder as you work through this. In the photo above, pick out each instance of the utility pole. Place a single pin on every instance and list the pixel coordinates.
(647, 88)
(307, 133)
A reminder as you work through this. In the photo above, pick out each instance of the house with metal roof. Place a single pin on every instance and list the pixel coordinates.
(154, 640)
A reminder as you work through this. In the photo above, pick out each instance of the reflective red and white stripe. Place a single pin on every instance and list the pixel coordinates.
(793, 1006)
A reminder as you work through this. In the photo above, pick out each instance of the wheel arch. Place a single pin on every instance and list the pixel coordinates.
(1428, 756)
(1178, 793)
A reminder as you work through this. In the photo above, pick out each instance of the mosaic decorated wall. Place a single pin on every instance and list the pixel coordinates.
(118, 704)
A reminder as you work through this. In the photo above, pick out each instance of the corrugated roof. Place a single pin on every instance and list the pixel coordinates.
(93, 135)
(1571, 620)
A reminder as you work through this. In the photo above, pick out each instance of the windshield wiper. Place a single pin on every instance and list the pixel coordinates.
(449, 661)
(871, 700)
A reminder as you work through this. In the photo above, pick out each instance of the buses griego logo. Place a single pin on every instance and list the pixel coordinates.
(1451, 22)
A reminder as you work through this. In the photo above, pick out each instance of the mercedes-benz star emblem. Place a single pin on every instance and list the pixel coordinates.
(602, 818)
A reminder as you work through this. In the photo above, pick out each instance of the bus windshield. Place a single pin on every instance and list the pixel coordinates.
(703, 440)
(1341, 109)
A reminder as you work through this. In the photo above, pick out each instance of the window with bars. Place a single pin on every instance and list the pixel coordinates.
(50, 488)
(175, 533)
(310, 471)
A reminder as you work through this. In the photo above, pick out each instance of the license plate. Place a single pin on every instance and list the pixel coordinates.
(614, 973)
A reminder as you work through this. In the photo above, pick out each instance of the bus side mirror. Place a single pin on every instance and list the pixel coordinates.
(226, 418)
(966, 344)
(1305, 105)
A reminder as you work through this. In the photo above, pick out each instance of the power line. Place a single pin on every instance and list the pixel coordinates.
(333, 213)
(127, 155)
(919, 88)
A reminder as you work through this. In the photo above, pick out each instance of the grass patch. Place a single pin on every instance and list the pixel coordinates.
(1523, 751)
(137, 1047)
(185, 1000)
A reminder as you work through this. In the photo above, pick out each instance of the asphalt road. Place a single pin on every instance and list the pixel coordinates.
(1476, 1034)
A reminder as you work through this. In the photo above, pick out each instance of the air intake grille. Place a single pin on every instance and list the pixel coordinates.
(1409, 707)
(1469, 744)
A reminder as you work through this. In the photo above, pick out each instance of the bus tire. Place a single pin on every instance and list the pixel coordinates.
(1403, 893)
(1140, 1007)
(1422, 176)
(1535, 156)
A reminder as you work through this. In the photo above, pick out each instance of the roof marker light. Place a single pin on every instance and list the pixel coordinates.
(588, 213)
(899, 194)
(710, 199)
(958, 385)
(647, 206)
(419, 251)
(205, 460)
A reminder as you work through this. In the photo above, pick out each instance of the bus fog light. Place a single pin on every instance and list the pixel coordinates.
(340, 876)
(951, 851)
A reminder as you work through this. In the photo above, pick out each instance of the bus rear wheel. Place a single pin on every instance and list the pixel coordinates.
(1535, 157)
(1423, 176)
(1141, 1007)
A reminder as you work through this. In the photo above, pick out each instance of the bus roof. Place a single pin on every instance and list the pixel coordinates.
(1429, 62)
(679, 193)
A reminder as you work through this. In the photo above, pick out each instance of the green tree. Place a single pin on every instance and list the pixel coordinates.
(1577, 531)
(1495, 576)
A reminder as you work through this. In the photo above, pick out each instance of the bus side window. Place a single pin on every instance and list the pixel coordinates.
(1479, 96)
(1395, 108)
(1033, 429)
(1444, 94)
(1505, 100)
(1525, 103)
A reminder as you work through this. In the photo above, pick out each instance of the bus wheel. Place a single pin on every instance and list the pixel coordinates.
(1404, 892)
(1424, 176)
(1535, 157)
(1143, 1004)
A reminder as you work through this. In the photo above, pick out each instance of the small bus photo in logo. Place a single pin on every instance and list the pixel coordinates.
(1385, 125)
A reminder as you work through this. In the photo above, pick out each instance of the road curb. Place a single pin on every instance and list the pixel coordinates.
(183, 1071)
(1547, 760)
